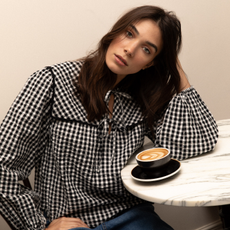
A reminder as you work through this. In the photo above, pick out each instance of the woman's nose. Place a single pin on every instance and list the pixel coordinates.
(130, 49)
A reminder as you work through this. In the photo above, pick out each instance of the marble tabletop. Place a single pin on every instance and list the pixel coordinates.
(201, 181)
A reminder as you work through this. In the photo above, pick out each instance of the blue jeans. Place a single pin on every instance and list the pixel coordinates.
(139, 217)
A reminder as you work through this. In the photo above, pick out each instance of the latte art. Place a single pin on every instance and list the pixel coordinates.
(152, 154)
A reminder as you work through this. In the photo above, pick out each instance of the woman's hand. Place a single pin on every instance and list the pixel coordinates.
(64, 223)
(184, 83)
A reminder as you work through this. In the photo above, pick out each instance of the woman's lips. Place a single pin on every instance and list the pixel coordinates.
(121, 60)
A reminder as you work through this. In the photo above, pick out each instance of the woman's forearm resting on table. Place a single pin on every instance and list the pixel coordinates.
(187, 128)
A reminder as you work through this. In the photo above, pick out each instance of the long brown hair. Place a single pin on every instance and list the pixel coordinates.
(153, 87)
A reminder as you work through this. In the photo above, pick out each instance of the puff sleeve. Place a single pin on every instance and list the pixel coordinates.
(23, 137)
(187, 127)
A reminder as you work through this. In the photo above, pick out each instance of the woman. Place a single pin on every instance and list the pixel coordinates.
(79, 122)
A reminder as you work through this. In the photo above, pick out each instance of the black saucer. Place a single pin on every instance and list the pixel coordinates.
(148, 175)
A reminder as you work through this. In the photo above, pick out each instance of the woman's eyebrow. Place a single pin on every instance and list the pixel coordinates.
(149, 43)
(135, 29)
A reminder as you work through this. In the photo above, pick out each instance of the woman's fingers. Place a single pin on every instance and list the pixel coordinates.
(65, 223)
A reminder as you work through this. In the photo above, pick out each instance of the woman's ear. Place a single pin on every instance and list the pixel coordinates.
(148, 65)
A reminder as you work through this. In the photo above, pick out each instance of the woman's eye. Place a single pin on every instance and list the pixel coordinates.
(146, 50)
(129, 34)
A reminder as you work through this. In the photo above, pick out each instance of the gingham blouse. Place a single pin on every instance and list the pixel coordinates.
(78, 162)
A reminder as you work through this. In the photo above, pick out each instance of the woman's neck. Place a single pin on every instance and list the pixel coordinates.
(119, 79)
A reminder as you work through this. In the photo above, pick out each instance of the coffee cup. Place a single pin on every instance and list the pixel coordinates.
(153, 158)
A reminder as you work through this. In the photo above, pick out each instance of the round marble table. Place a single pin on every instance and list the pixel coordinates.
(202, 180)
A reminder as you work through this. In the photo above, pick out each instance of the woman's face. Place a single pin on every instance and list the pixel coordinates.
(135, 49)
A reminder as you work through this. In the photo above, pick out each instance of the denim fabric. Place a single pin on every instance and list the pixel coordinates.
(139, 217)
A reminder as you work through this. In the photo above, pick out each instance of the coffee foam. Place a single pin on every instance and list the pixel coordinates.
(152, 154)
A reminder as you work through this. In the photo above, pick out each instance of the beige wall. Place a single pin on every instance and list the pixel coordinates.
(39, 33)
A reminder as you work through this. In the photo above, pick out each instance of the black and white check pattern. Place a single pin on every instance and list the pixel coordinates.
(188, 129)
(77, 162)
